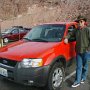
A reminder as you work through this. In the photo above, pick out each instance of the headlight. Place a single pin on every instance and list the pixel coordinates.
(26, 63)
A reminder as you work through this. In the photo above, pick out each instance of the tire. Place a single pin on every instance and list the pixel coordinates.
(56, 77)
(5, 40)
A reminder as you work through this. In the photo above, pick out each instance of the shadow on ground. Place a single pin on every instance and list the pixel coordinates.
(9, 85)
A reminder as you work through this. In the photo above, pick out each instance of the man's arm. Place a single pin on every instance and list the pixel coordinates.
(71, 34)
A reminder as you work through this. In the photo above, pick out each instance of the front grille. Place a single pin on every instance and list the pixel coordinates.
(8, 62)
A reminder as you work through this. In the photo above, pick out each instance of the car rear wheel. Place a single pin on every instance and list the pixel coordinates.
(56, 77)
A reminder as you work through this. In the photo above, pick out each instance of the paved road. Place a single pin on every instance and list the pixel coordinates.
(69, 82)
(8, 85)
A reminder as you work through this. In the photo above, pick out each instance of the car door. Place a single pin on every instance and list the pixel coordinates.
(22, 32)
(15, 34)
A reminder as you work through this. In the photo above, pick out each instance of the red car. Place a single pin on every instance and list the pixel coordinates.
(14, 33)
(41, 57)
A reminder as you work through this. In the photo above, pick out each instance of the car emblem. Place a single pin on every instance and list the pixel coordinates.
(5, 62)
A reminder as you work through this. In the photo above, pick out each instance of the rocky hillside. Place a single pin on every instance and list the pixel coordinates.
(54, 10)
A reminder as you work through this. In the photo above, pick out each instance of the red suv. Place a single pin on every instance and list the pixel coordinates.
(14, 33)
(41, 57)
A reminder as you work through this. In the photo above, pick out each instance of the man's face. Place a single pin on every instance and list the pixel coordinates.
(81, 23)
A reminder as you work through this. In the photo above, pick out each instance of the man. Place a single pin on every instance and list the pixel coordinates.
(82, 36)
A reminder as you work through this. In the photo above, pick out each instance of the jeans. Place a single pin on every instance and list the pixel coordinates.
(82, 66)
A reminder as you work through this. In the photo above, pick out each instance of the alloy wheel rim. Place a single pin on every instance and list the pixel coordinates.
(57, 77)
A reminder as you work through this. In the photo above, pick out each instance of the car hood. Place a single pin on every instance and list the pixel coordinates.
(23, 49)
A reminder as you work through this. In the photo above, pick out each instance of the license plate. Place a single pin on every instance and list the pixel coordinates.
(3, 72)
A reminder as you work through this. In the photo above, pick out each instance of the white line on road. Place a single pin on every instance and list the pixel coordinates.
(70, 75)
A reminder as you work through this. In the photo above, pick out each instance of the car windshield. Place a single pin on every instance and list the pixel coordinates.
(46, 33)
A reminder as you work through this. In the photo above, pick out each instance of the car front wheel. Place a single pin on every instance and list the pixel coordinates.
(56, 77)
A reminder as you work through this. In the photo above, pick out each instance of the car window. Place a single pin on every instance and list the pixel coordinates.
(70, 29)
(15, 31)
(21, 30)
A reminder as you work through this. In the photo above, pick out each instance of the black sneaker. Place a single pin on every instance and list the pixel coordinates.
(82, 81)
(75, 84)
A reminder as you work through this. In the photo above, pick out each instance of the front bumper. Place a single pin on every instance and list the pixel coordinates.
(27, 76)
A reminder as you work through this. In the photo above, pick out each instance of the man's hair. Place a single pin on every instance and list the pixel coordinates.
(81, 18)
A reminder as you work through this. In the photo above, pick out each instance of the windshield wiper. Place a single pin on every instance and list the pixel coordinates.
(40, 40)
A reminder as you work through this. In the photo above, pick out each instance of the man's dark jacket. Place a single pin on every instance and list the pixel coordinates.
(82, 37)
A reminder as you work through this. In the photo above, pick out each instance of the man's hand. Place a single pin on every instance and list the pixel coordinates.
(66, 41)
